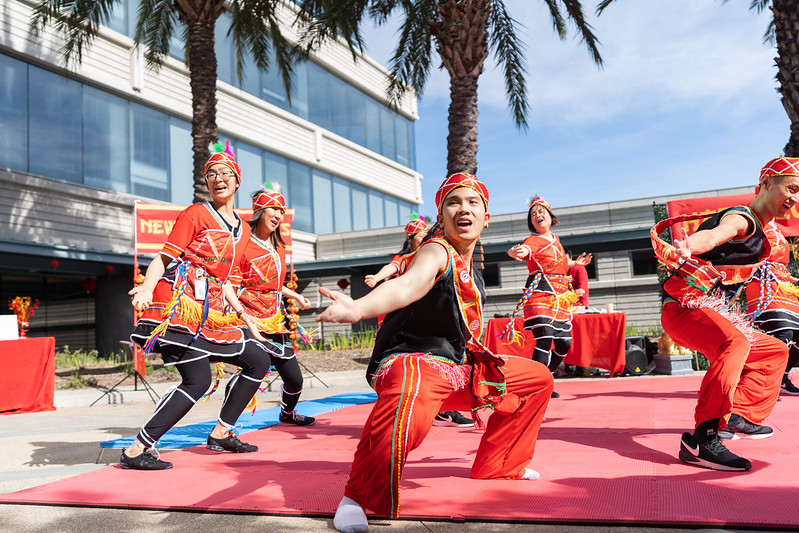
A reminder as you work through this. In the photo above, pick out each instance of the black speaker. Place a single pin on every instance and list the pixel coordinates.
(636, 360)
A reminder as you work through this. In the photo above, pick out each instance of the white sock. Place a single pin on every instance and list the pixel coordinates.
(530, 474)
(350, 517)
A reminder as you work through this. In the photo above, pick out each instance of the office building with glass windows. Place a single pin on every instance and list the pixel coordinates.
(81, 144)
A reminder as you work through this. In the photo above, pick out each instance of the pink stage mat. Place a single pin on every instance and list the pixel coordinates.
(607, 453)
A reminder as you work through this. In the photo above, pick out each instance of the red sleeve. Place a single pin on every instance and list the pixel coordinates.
(186, 228)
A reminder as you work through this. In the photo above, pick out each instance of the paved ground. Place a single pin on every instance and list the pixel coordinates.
(39, 448)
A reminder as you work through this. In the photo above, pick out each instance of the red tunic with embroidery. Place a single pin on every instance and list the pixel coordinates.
(263, 272)
(770, 287)
(548, 266)
(206, 248)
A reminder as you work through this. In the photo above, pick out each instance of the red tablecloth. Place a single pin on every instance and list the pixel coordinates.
(27, 375)
(598, 340)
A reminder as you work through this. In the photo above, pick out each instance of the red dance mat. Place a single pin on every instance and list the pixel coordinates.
(607, 453)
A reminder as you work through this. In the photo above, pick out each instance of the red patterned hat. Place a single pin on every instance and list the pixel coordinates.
(780, 166)
(270, 196)
(416, 225)
(537, 200)
(461, 179)
(223, 155)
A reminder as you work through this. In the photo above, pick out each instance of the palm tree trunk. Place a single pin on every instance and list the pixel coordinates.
(202, 68)
(786, 29)
(461, 37)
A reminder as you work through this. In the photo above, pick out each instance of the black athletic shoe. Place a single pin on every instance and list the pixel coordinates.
(554, 395)
(453, 419)
(143, 461)
(711, 454)
(231, 443)
(787, 386)
(740, 428)
(296, 418)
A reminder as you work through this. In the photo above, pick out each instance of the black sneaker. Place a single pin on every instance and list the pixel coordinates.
(711, 454)
(787, 386)
(143, 461)
(554, 395)
(740, 428)
(296, 418)
(231, 443)
(452, 419)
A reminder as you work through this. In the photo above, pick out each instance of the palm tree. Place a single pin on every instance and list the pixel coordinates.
(783, 30)
(255, 30)
(464, 31)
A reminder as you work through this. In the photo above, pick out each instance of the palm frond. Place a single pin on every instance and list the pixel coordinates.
(558, 22)
(508, 49)
(77, 21)
(575, 10)
(410, 62)
(155, 23)
(324, 20)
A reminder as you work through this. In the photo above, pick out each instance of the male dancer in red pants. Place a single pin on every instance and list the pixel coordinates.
(428, 357)
(708, 270)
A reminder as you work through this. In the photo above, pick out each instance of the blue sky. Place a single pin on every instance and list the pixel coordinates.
(686, 102)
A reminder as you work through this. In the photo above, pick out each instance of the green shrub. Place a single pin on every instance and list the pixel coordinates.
(700, 362)
(66, 358)
(78, 382)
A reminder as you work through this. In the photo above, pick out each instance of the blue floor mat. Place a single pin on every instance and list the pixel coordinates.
(196, 434)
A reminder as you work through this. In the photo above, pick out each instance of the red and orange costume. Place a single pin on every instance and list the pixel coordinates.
(701, 313)
(428, 358)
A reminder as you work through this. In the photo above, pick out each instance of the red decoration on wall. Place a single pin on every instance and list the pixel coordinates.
(54, 263)
(343, 283)
(88, 284)
(109, 268)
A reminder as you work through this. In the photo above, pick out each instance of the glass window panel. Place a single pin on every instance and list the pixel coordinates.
(177, 43)
(376, 210)
(412, 148)
(301, 197)
(388, 140)
(273, 90)
(403, 140)
(277, 170)
(392, 212)
(251, 77)
(322, 203)
(181, 162)
(357, 116)
(226, 69)
(106, 162)
(405, 209)
(300, 90)
(318, 96)
(342, 205)
(149, 170)
(372, 124)
(13, 113)
(55, 126)
(360, 208)
(118, 19)
(252, 173)
(339, 108)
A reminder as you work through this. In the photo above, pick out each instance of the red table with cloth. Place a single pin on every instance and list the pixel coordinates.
(27, 375)
(598, 340)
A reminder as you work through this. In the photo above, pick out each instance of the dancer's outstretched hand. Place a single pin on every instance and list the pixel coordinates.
(342, 310)
(252, 325)
(683, 246)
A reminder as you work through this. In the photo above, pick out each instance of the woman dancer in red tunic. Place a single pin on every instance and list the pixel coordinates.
(184, 316)
(548, 296)
(263, 271)
(415, 230)
(428, 354)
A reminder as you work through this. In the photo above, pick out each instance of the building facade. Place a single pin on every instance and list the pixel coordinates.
(83, 143)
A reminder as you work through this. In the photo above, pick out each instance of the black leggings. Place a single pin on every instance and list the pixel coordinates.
(196, 379)
(552, 340)
(289, 371)
(784, 326)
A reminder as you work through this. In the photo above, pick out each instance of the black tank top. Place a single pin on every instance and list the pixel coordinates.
(431, 325)
(746, 251)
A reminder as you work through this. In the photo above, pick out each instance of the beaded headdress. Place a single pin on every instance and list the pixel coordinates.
(461, 179)
(416, 225)
(270, 195)
(223, 155)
